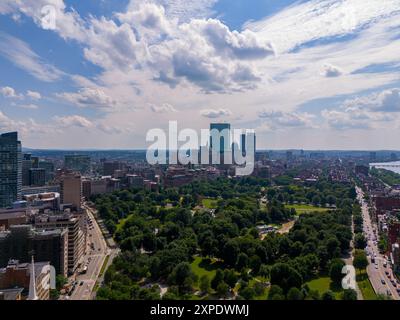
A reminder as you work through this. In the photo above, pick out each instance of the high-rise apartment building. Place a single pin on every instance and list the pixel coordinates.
(71, 189)
(76, 234)
(21, 241)
(10, 169)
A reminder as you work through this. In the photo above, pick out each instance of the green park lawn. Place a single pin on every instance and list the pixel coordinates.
(365, 286)
(209, 203)
(306, 208)
(204, 266)
(323, 284)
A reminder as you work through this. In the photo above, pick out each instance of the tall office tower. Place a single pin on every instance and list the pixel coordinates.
(37, 177)
(79, 163)
(10, 169)
(220, 139)
(71, 189)
(26, 166)
(48, 166)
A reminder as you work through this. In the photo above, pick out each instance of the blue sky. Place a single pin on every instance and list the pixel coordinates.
(318, 74)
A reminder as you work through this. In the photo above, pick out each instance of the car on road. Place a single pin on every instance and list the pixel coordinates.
(81, 283)
(387, 272)
(398, 290)
(383, 281)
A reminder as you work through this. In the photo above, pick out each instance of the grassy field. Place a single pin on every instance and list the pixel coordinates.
(365, 286)
(324, 284)
(305, 208)
(202, 266)
(209, 203)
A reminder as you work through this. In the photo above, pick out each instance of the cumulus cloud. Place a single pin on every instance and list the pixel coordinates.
(69, 25)
(347, 119)
(365, 112)
(33, 95)
(164, 108)
(8, 92)
(89, 97)
(206, 53)
(113, 46)
(384, 101)
(149, 19)
(277, 119)
(215, 113)
(73, 121)
(202, 52)
(331, 71)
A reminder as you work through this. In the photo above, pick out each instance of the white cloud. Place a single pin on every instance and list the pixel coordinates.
(365, 112)
(184, 10)
(33, 95)
(215, 113)
(164, 108)
(20, 54)
(113, 46)
(278, 119)
(149, 19)
(8, 92)
(69, 25)
(316, 19)
(89, 97)
(331, 71)
(384, 101)
(73, 121)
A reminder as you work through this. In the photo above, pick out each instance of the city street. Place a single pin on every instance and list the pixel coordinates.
(376, 271)
(95, 257)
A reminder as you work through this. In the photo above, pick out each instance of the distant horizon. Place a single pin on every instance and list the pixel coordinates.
(257, 150)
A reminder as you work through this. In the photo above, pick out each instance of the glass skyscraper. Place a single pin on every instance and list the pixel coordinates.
(220, 137)
(10, 169)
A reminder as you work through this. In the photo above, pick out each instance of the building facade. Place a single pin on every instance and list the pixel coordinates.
(10, 169)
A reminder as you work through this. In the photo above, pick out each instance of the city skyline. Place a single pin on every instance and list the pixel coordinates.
(315, 75)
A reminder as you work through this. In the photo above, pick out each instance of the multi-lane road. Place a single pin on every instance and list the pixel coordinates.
(97, 251)
(380, 272)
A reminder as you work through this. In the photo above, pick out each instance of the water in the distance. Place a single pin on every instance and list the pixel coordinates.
(392, 166)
